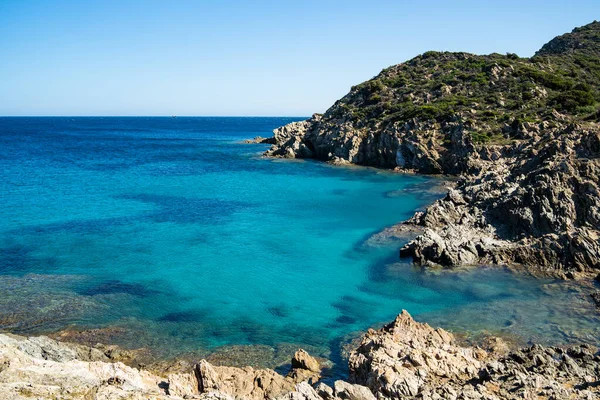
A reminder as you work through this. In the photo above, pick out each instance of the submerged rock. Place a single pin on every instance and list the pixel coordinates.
(259, 140)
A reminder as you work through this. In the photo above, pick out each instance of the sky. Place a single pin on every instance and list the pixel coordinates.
(243, 58)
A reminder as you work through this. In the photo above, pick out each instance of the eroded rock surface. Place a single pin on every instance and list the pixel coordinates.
(538, 206)
(410, 360)
(42, 368)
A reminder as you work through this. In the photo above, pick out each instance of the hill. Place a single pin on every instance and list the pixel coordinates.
(522, 133)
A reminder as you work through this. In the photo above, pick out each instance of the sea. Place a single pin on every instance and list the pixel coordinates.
(172, 235)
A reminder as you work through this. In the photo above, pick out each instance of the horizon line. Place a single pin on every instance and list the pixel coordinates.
(155, 116)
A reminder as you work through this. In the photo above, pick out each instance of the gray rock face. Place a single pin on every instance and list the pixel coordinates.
(410, 146)
(538, 206)
(42, 368)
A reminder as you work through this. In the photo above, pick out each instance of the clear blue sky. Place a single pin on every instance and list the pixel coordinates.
(242, 57)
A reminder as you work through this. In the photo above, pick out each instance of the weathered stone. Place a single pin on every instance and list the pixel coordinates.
(182, 385)
(303, 360)
(324, 391)
(410, 360)
(348, 391)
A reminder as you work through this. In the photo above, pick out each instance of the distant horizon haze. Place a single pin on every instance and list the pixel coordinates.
(233, 58)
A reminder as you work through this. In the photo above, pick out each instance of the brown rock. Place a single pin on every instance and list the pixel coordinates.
(303, 360)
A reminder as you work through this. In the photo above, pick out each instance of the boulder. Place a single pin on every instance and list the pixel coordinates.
(303, 360)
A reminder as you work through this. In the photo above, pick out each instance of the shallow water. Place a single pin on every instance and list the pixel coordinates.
(187, 240)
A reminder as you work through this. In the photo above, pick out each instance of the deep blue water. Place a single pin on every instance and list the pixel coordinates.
(188, 240)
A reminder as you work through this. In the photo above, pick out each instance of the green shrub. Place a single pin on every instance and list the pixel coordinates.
(572, 100)
(550, 80)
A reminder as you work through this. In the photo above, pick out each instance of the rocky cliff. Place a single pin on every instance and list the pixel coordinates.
(521, 133)
(403, 360)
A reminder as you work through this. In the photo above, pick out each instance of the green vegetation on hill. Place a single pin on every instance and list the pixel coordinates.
(488, 94)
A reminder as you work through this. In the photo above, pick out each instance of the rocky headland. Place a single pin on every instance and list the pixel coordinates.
(403, 360)
(521, 134)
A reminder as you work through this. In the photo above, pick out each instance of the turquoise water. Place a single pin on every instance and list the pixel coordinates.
(188, 240)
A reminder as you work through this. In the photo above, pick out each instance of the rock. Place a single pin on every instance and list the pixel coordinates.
(405, 359)
(521, 211)
(324, 391)
(303, 392)
(596, 298)
(260, 140)
(182, 385)
(303, 360)
(207, 377)
(347, 391)
(402, 357)
(247, 383)
(42, 368)
(410, 360)
(254, 384)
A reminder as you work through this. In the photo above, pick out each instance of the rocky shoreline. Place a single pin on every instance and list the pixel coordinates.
(535, 202)
(403, 360)
(528, 190)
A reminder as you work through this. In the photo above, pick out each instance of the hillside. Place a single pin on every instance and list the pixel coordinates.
(522, 133)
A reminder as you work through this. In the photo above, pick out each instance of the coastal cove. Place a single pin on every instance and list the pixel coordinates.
(170, 234)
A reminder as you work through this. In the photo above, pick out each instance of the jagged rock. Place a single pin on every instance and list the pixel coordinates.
(491, 218)
(348, 391)
(404, 359)
(250, 383)
(182, 385)
(398, 360)
(324, 391)
(410, 360)
(45, 369)
(247, 383)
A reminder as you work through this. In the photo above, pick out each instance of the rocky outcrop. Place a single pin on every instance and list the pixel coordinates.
(410, 360)
(538, 206)
(41, 368)
(403, 360)
(414, 145)
(303, 360)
